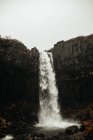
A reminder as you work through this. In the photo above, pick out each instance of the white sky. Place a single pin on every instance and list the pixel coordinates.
(42, 23)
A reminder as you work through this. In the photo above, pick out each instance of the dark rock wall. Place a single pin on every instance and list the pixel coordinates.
(18, 73)
(73, 62)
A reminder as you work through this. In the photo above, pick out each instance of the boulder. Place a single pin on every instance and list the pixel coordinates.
(71, 130)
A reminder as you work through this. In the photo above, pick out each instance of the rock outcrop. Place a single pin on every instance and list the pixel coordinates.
(73, 62)
(19, 69)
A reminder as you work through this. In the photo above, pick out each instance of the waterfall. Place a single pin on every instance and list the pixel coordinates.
(49, 111)
(49, 115)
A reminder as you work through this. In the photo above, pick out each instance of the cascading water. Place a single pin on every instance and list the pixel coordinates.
(49, 115)
(49, 111)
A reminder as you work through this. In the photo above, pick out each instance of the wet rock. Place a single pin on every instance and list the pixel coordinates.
(78, 136)
(81, 128)
(88, 124)
(71, 130)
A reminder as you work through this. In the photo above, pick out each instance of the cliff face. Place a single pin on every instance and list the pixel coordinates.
(73, 62)
(18, 73)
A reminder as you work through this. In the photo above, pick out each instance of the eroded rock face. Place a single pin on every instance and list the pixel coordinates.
(73, 62)
(18, 76)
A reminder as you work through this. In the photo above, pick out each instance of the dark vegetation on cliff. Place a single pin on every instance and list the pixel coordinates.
(18, 81)
(73, 62)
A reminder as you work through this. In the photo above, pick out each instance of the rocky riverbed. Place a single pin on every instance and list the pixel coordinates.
(84, 132)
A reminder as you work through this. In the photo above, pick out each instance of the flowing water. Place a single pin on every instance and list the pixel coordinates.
(49, 115)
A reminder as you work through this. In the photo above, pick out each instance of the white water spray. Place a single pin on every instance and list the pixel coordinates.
(8, 137)
(49, 115)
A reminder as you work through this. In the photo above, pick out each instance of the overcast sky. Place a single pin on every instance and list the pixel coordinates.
(42, 23)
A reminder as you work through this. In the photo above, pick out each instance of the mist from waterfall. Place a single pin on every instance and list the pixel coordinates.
(49, 115)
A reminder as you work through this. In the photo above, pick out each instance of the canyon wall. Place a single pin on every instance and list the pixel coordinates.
(73, 62)
(19, 76)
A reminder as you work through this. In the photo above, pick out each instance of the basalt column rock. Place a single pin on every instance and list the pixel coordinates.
(19, 68)
(73, 62)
